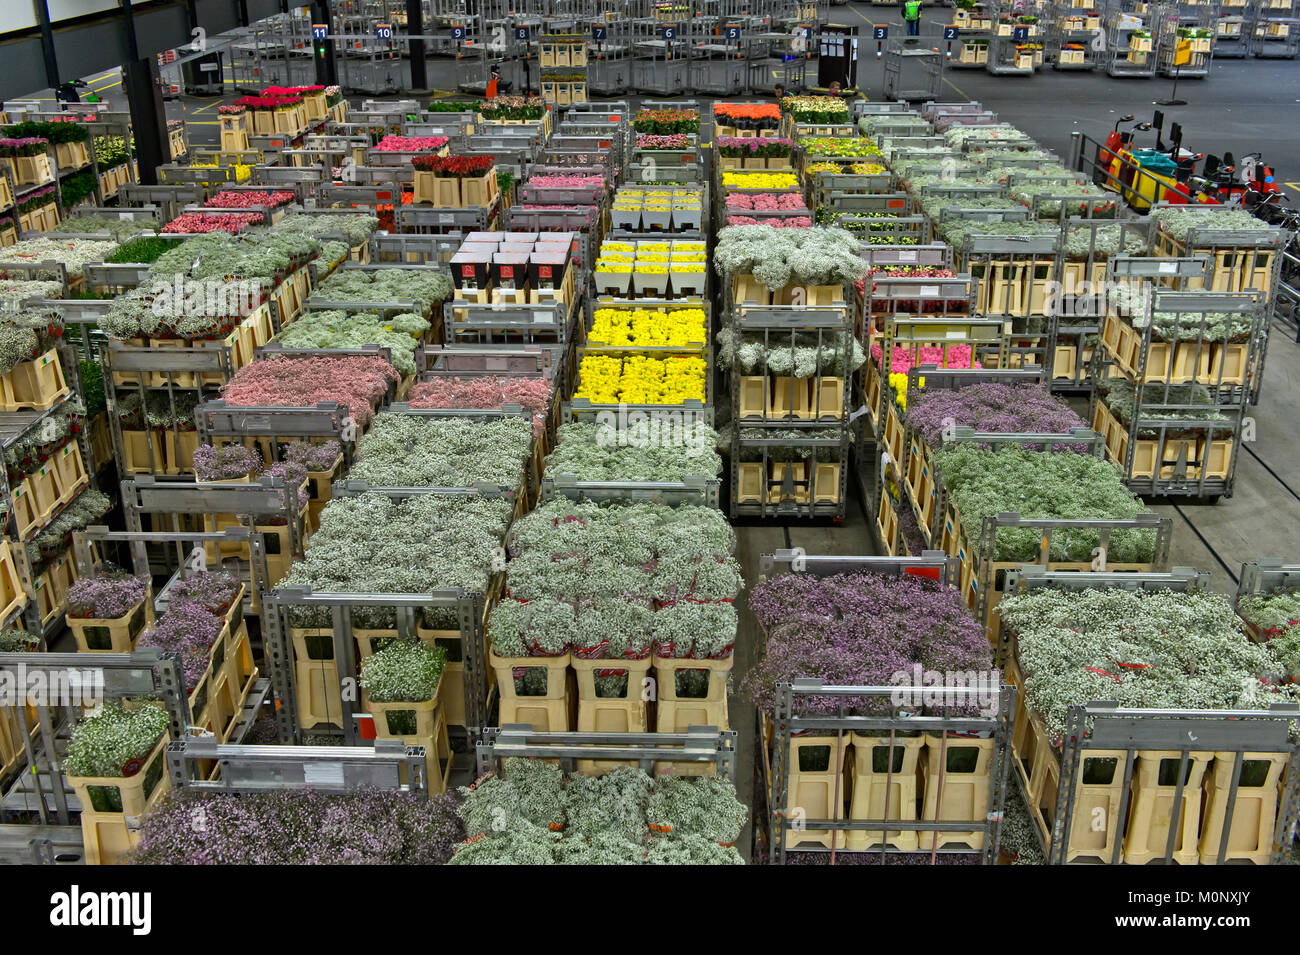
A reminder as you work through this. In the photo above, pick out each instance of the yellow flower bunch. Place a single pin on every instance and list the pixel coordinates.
(615, 268)
(617, 247)
(657, 327)
(616, 257)
(759, 180)
(865, 168)
(650, 268)
(689, 267)
(898, 382)
(652, 247)
(813, 168)
(640, 380)
(598, 376)
(687, 245)
(652, 256)
(679, 256)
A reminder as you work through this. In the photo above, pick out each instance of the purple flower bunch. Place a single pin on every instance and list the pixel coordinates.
(189, 629)
(295, 475)
(859, 629)
(227, 462)
(991, 407)
(313, 457)
(106, 596)
(301, 827)
(213, 591)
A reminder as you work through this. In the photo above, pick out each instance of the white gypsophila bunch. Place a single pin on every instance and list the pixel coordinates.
(626, 626)
(690, 849)
(105, 743)
(72, 253)
(523, 845)
(403, 671)
(1178, 221)
(613, 804)
(1178, 650)
(603, 848)
(700, 805)
(413, 451)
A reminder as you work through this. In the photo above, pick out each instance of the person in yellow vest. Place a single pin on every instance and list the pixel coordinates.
(912, 16)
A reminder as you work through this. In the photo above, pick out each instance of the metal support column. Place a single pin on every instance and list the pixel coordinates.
(47, 44)
(148, 120)
(415, 30)
(323, 49)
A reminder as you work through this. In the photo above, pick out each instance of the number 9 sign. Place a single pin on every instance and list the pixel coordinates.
(458, 33)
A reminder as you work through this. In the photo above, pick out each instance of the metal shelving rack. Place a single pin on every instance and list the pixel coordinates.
(1200, 18)
(1232, 28)
(699, 744)
(823, 425)
(1170, 733)
(1067, 24)
(1121, 56)
(1160, 451)
(1275, 29)
(792, 717)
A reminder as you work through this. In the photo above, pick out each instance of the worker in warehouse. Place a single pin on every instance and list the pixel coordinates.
(912, 16)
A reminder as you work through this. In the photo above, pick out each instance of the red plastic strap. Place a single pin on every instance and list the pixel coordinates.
(1104, 673)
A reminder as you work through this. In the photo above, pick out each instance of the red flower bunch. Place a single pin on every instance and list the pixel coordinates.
(268, 102)
(243, 200)
(457, 167)
(291, 90)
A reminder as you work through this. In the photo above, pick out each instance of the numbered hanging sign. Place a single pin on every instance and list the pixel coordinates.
(384, 31)
(951, 33)
(598, 33)
(522, 33)
(880, 33)
(668, 33)
(733, 33)
(320, 31)
(458, 33)
(1020, 34)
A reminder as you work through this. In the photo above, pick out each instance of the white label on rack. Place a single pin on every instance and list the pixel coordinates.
(125, 216)
(1168, 268)
(929, 291)
(322, 774)
(257, 422)
(543, 318)
(907, 256)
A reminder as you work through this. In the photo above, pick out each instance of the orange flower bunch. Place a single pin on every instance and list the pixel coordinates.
(735, 111)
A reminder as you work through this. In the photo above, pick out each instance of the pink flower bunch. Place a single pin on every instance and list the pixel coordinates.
(233, 223)
(352, 380)
(670, 141)
(767, 201)
(566, 182)
(958, 356)
(914, 272)
(411, 144)
(531, 394)
(793, 222)
(242, 200)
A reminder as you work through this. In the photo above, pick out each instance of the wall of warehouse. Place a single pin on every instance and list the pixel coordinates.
(98, 41)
